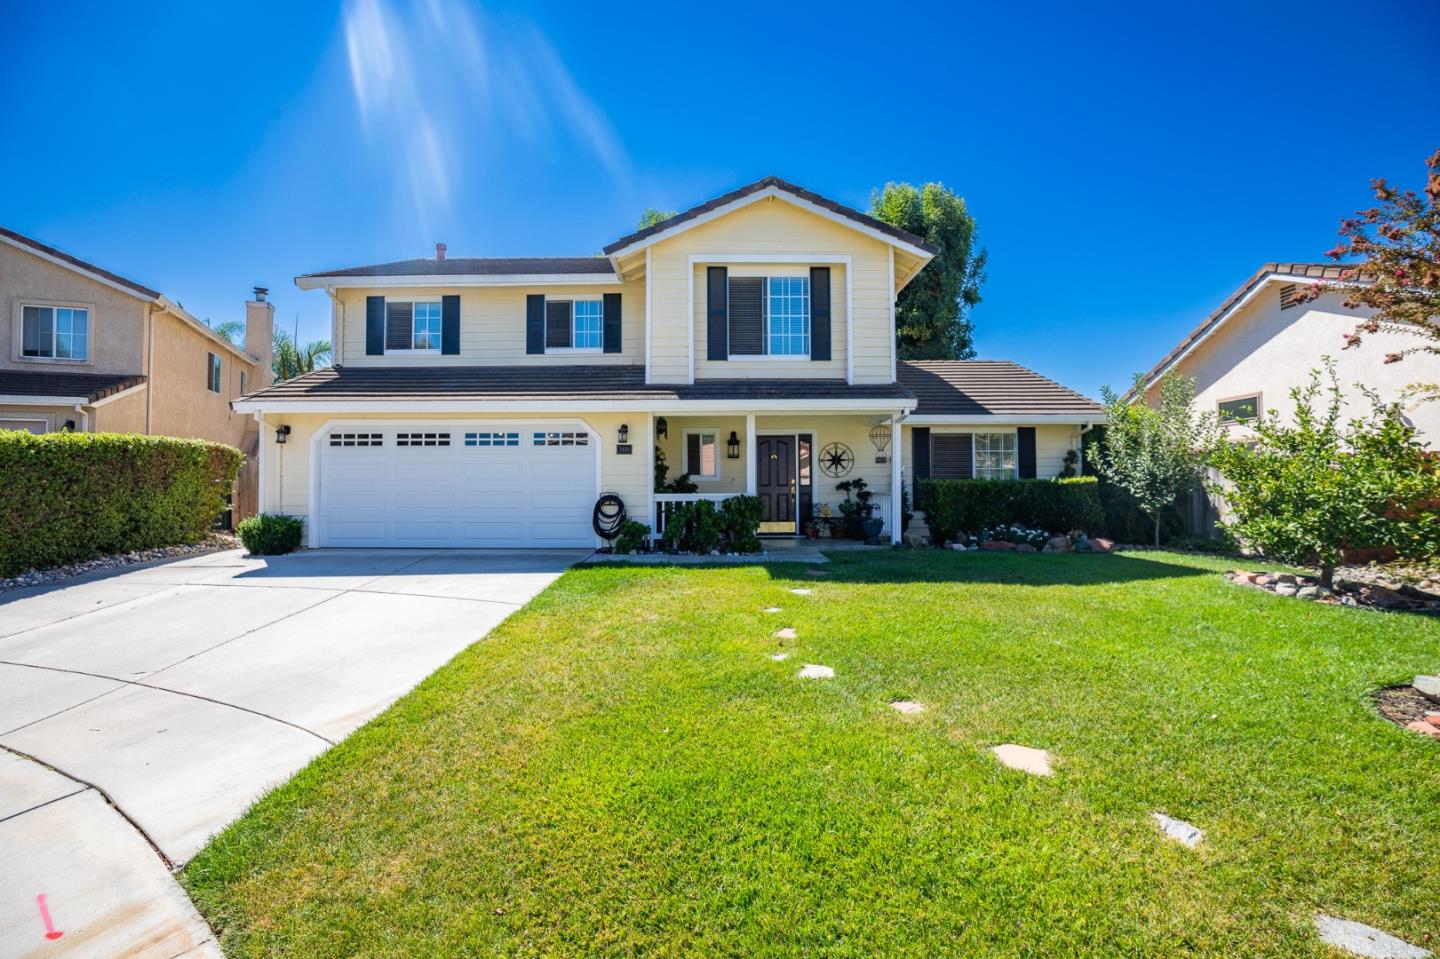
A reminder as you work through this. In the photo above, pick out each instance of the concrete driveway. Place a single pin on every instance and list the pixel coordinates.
(142, 712)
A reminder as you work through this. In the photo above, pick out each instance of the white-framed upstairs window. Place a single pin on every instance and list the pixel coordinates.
(574, 325)
(769, 315)
(996, 456)
(50, 332)
(702, 454)
(412, 326)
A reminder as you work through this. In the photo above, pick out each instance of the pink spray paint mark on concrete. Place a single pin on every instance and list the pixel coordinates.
(50, 931)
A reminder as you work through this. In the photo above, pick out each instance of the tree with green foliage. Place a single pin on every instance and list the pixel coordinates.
(932, 313)
(291, 359)
(1158, 453)
(1304, 491)
(232, 331)
(652, 216)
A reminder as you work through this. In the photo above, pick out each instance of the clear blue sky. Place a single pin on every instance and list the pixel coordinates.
(1128, 166)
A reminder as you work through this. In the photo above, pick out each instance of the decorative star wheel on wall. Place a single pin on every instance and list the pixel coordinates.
(836, 459)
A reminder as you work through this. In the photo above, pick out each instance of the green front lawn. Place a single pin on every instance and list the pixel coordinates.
(621, 770)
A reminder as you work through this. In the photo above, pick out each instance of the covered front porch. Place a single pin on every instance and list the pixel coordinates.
(793, 461)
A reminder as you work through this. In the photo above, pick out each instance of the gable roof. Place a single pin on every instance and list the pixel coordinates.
(772, 184)
(983, 388)
(478, 266)
(1308, 273)
(75, 263)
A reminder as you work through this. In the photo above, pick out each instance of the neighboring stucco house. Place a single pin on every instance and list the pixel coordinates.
(1264, 341)
(751, 339)
(89, 350)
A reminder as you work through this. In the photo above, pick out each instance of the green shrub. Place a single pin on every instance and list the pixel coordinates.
(271, 533)
(66, 497)
(965, 506)
(693, 527)
(632, 536)
(740, 516)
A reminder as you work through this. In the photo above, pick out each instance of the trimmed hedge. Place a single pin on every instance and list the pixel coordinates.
(271, 534)
(66, 497)
(965, 506)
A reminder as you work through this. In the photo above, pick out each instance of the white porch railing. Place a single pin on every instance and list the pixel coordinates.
(665, 504)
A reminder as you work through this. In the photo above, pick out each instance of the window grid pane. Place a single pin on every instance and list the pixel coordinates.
(589, 325)
(995, 456)
(787, 304)
(708, 465)
(561, 439)
(426, 326)
(492, 439)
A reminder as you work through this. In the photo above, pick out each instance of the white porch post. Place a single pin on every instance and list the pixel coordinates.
(749, 454)
(897, 480)
(649, 449)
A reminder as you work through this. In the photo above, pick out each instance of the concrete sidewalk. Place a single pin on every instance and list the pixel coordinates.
(146, 710)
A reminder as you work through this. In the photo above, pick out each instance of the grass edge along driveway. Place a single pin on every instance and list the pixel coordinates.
(622, 769)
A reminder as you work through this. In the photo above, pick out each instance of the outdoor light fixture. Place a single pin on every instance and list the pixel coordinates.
(624, 433)
(732, 446)
(662, 428)
(282, 432)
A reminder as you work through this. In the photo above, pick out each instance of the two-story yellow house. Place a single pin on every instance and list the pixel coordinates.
(750, 340)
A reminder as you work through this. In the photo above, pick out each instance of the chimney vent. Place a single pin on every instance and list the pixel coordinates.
(260, 293)
(439, 251)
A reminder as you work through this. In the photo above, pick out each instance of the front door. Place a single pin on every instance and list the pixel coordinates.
(775, 484)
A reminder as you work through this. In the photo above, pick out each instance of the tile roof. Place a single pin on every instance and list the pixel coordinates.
(987, 387)
(480, 266)
(78, 263)
(1311, 271)
(589, 383)
(92, 386)
(767, 183)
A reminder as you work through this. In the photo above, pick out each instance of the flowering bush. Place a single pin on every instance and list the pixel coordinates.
(1015, 534)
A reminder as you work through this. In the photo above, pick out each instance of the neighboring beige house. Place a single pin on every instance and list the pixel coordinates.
(751, 339)
(92, 351)
(1263, 342)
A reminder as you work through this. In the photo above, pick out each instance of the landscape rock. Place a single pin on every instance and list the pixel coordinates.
(917, 534)
(771, 609)
(1285, 589)
(1179, 830)
(1100, 544)
(1359, 939)
(1025, 548)
(786, 633)
(801, 591)
(779, 657)
(907, 707)
(1308, 592)
(1433, 719)
(1428, 686)
(1057, 544)
(997, 545)
(1024, 758)
(812, 671)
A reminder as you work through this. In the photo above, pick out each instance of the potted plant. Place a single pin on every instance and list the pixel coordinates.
(859, 511)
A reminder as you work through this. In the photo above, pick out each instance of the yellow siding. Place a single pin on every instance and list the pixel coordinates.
(740, 368)
(768, 226)
(1051, 443)
(492, 325)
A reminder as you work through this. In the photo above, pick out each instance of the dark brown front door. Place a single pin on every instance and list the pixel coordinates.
(775, 463)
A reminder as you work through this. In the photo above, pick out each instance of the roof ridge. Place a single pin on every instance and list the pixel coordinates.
(78, 263)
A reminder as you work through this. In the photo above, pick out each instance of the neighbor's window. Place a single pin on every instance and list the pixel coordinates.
(995, 456)
(769, 315)
(702, 460)
(55, 332)
(212, 372)
(242, 382)
(1239, 410)
(412, 326)
(574, 324)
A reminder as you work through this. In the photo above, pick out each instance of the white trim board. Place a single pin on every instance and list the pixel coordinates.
(442, 407)
(12, 399)
(1006, 419)
(767, 193)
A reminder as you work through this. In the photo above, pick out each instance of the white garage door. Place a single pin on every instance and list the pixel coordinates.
(457, 484)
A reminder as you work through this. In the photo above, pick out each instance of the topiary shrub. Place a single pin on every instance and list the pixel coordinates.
(271, 533)
(633, 534)
(953, 507)
(740, 516)
(71, 496)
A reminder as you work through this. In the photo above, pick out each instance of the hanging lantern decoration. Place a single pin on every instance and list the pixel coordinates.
(880, 437)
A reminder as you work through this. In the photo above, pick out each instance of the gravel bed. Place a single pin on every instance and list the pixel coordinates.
(213, 543)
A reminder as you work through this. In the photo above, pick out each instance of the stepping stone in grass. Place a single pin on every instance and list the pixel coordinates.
(907, 707)
(817, 572)
(800, 591)
(771, 609)
(779, 657)
(1359, 939)
(1023, 758)
(811, 671)
(786, 633)
(1179, 830)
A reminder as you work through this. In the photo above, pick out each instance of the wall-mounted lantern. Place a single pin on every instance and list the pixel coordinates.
(662, 428)
(624, 433)
(732, 446)
(623, 448)
(282, 433)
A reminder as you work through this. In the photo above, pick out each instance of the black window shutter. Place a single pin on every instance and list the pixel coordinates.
(919, 461)
(612, 323)
(558, 324)
(716, 310)
(747, 316)
(692, 454)
(535, 323)
(1025, 447)
(450, 325)
(820, 313)
(399, 326)
(374, 326)
(952, 456)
